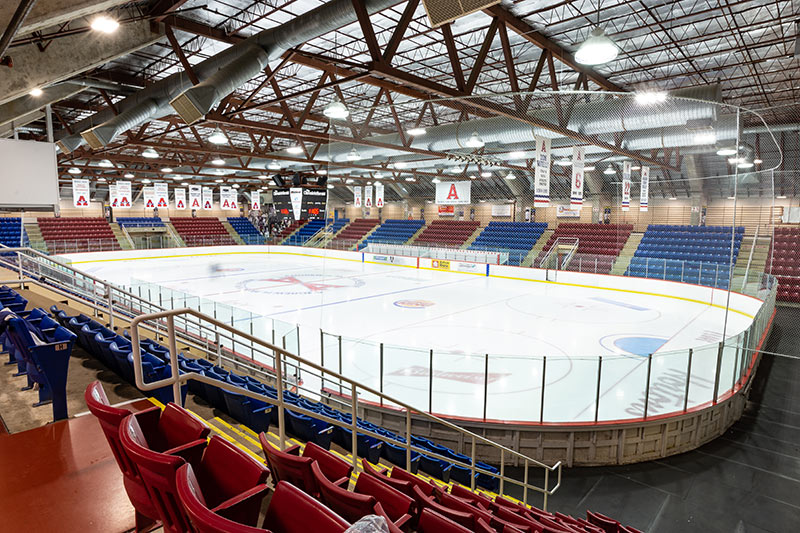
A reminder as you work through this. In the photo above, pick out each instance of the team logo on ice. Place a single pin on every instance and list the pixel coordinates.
(300, 284)
(414, 304)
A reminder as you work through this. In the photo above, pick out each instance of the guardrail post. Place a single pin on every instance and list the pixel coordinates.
(381, 373)
(647, 385)
(502, 470)
(430, 384)
(281, 405)
(544, 371)
(716, 374)
(739, 339)
(110, 308)
(408, 439)
(485, 384)
(219, 348)
(525, 484)
(340, 363)
(472, 465)
(354, 425)
(546, 488)
(173, 361)
(322, 354)
(688, 379)
(597, 394)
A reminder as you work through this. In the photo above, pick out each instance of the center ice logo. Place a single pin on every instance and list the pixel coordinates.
(299, 284)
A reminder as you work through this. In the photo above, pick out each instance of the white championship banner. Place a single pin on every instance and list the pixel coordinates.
(80, 192)
(124, 194)
(195, 197)
(180, 198)
(208, 198)
(645, 189)
(453, 192)
(542, 176)
(113, 198)
(225, 198)
(161, 194)
(255, 201)
(576, 196)
(357, 196)
(368, 196)
(379, 195)
(296, 197)
(626, 185)
(149, 194)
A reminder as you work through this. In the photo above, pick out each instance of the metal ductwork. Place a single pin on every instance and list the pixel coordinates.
(101, 135)
(224, 72)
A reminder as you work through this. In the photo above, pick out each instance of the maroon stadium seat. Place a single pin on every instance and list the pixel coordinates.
(288, 465)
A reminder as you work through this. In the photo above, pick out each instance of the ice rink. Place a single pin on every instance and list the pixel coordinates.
(462, 318)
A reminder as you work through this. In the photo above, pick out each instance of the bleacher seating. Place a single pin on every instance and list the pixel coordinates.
(692, 254)
(355, 231)
(449, 233)
(516, 238)
(77, 234)
(288, 230)
(335, 226)
(10, 230)
(140, 222)
(305, 232)
(246, 230)
(395, 232)
(598, 244)
(202, 231)
(785, 263)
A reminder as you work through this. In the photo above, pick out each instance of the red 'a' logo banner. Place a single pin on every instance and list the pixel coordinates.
(453, 194)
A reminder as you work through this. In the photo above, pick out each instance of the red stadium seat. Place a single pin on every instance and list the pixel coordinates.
(432, 522)
(406, 487)
(399, 507)
(288, 465)
(293, 511)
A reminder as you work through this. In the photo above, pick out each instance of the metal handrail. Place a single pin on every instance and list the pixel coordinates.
(554, 247)
(177, 379)
(750, 258)
(126, 234)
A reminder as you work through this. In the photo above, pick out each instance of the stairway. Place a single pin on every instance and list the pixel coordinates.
(472, 237)
(123, 239)
(417, 234)
(174, 234)
(35, 237)
(626, 254)
(234, 234)
(364, 237)
(758, 264)
(528, 261)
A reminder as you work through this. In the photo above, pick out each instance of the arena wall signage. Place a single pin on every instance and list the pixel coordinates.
(453, 192)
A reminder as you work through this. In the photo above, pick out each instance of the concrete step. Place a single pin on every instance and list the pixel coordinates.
(233, 233)
(626, 254)
(472, 237)
(537, 248)
(417, 234)
(174, 234)
(123, 240)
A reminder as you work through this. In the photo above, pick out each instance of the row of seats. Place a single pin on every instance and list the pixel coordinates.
(202, 231)
(291, 228)
(452, 233)
(355, 231)
(39, 346)
(12, 233)
(140, 222)
(175, 475)
(516, 238)
(305, 232)
(693, 229)
(335, 226)
(246, 230)
(77, 234)
(593, 239)
(394, 232)
(783, 262)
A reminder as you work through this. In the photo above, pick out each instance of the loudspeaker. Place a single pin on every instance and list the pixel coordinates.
(278, 179)
(296, 181)
(322, 180)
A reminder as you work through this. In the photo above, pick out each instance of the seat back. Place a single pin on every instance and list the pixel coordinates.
(333, 467)
(110, 419)
(290, 468)
(229, 472)
(406, 487)
(399, 473)
(293, 511)
(348, 504)
(203, 519)
(609, 525)
(158, 471)
(395, 503)
(432, 522)
(177, 426)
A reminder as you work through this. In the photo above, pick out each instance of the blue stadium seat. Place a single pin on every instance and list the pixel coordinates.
(515, 238)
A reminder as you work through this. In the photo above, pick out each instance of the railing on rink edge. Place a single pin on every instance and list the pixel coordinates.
(67, 246)
(163, 322)
(281, 356)
(431, 252)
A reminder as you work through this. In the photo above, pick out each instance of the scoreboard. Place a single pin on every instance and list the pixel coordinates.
(298, 203)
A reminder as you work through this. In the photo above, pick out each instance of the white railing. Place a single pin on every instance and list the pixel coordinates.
(750, 258)
(448, 254)
(553, 252)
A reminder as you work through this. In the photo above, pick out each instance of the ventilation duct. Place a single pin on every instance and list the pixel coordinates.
(101, 135)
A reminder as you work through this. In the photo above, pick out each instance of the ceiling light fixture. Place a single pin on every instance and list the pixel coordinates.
(235, 185)
(149, 153)
(166, 170)
(473, 177)
(330, 185)
(101, 179)
(353, 155)
(36, 92)
(517, 154)
(589, 168)
(757, 161)
(781, 197)
(486, 174)
(416, 132)
(128, 175)
(217, 137)
(564, 162)
(145, 180)
(705, 137)
(218, 161)
(274, 165)
(74, 170)
(436, 180)
(510, 176)
(672, 198)
(321, 172)
(597, 49)
(185, 184)
(399, 164)
(378, 175)
(104, 24)
(410, 179)
(727, 150)
(475, 141)
(608, 171)
(105, 163)
(219, 180)
(336, 109)
(731, 198)
(736, 160)
(295, 149)
(745, 164)
(636, 167)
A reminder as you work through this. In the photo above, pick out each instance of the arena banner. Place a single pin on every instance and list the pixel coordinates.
(149, 195)
(357, 196)
(368, 196)
(296, 197)
(645, 189)
(626, 185)
(440, 264)
(378, 194)
(501, 210)
(453, 192)
(113, 197)
(80, 192)
(161, 195)
(576, 197)
(208, 198)
(180, 198)
(255, 201)
(225, 198)
(195, 197)
(393, 260)
(124, 194)
(542, 177)
(565, 211)
(447, 211)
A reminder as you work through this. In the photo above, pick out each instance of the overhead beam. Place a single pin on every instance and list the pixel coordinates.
(28, 106)
(176, 47)
(48, 13)
(13, 26)
(527, 32)
(71, 55)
